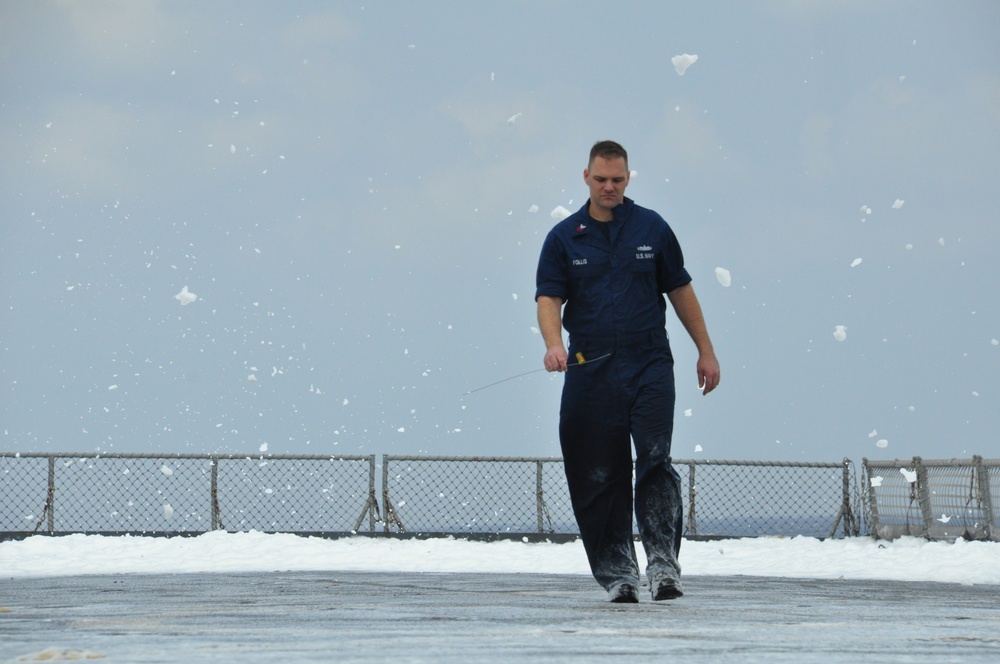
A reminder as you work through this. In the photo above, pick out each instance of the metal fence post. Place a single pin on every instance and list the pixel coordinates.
(51, 497)
(216, 516)
(923, 494)
(391, 517)
(844, 513)
(983, 495)
(692, 520)
(387, 519)
(539, 496)
(868, 498)
(370, 508)
(371, 494)
(848, 514)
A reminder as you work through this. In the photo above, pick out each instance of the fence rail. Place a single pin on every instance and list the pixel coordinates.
(482, 497)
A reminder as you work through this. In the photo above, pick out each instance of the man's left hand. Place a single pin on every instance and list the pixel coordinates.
(708, 373)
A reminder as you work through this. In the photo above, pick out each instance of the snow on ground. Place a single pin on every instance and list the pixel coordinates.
(905, 559)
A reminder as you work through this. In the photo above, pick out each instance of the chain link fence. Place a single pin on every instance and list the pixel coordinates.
(529, 495)
(758, 498)
(476, 495)
(185, 494)
(481, 497)
(936, 499)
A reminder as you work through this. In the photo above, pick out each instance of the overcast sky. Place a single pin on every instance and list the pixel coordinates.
(357, 194)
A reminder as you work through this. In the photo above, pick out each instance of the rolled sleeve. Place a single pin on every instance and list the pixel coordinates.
(551, 279)
(675, 280)
(671, 273)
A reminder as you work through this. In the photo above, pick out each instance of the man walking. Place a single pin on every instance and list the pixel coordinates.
(611, 263)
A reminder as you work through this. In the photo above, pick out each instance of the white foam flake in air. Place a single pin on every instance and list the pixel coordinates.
(840, 332)
(185, 296)
(898, 204)
(263, 447)
(512, 119)
(722, 274)
(168, 511)
(877, 480)
(856, 262)
(166, 470)
(882, 443)
(559, 213)
(682, 62)
(697, 448)
(909, 475)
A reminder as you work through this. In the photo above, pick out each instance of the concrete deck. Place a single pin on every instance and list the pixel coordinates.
(354, 616)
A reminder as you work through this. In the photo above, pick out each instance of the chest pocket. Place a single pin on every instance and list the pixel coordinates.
(643, 261)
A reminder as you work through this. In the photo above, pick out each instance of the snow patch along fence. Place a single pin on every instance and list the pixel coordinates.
(471, 497)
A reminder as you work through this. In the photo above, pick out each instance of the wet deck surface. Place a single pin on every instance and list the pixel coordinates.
(412, 617)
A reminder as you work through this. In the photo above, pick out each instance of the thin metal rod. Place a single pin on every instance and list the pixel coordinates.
(526, 373)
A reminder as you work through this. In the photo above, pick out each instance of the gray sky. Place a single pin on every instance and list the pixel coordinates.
(357, 193)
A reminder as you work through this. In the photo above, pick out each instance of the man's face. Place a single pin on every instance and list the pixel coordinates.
(607, 179)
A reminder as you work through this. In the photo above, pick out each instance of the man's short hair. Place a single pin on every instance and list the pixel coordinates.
(607, 150)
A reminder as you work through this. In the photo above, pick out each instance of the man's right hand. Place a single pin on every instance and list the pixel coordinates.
(555, 359)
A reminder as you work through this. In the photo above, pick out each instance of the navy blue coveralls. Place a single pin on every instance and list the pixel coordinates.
(613, 281)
